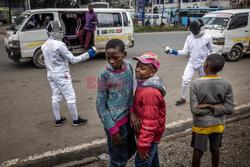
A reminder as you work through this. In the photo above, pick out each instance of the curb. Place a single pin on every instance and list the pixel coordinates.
(61, 158)
(85, 155)
(187, 131)
(185, 126)
(85, 161)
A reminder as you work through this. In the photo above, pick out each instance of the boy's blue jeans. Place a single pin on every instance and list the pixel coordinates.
(153, 160)
(119, 155)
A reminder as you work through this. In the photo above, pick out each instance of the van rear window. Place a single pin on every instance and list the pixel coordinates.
(109, 20)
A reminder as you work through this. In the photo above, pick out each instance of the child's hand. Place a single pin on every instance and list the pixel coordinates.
(134, 121)
(116, 138)
(143, 157)
(208, 106)
(202, 106)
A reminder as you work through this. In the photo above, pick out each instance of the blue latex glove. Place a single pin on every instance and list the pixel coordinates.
(168, 50)
(91, 53)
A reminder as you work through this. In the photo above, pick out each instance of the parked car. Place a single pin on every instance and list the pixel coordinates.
(5, 13)
(2, 20)
(155, 19)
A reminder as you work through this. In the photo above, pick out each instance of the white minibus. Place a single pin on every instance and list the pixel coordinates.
(24, 38)
(230, 30)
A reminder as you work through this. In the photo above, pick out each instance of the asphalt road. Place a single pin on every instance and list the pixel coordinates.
(25, 100)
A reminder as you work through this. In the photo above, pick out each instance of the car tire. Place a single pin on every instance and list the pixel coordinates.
(235, 54)
(1, 23)
(38, 59)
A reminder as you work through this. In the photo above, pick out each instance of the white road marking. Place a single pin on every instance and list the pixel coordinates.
(166, 32)
(177, 122)
(85, 145)
(52, 153)
(242, 106)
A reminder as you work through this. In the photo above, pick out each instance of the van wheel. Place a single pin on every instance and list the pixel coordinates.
(235, 54)
(1, 23)
(38, 59)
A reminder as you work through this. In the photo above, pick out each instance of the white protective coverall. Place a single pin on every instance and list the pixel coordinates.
(198, 49)
(57, 58)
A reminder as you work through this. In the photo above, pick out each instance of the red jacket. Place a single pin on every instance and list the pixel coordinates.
(149, 105)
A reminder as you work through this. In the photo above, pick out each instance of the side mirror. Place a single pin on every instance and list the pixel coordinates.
(13, 19)
(224, 23)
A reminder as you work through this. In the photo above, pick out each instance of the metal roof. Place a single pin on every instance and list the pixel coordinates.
(77, 10)
(233, 11)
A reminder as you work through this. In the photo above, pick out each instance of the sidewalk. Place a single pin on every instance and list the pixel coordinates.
(175, 150)
(3, 28)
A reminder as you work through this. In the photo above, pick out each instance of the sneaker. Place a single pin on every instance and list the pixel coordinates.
(59, 122)
(79, 122)
(180, 102)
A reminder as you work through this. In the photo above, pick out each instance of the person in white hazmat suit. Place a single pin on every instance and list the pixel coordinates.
(57, 58)
(198, 43)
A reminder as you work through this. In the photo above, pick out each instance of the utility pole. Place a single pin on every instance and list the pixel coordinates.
(135, 13)
(143, 17)
(28, 4)
(163, 10)
(238, 4)
(246, 3)
(152, 6)
(179, 7)
(9, 11)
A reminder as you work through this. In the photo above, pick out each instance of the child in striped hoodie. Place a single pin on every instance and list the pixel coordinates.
(114, 102)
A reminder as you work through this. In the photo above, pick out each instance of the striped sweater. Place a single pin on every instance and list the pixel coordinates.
(114, 96)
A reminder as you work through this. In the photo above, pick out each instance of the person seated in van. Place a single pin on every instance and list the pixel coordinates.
(91, 21)
(46, 22)
(36, 20)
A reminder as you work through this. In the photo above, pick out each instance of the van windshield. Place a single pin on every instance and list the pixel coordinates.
(18, 22)
(214, 20)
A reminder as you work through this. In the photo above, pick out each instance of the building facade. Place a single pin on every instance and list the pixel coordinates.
(154, 5)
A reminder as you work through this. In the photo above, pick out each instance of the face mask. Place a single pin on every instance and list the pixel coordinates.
(110, 67)
(54, 30)
(56, 35)
(196, 26)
